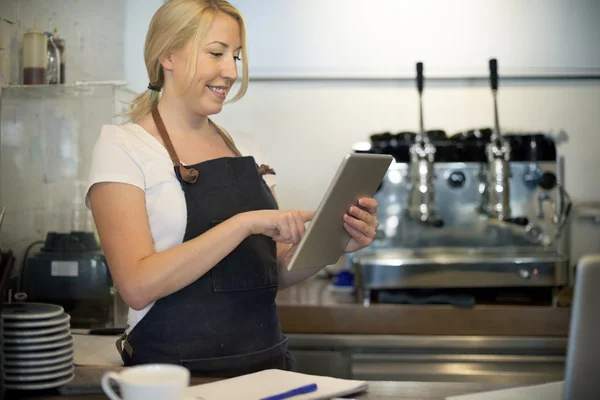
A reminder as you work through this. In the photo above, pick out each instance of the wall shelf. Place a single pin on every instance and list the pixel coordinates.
(41, 91)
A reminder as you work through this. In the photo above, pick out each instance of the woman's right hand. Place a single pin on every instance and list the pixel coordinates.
(284, 226)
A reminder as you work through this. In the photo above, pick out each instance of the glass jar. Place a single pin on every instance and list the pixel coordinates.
(52, 60)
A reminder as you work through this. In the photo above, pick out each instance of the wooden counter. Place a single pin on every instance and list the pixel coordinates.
(377, 390)
(310, 307)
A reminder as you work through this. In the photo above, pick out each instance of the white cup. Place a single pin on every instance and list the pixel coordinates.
(148, 382)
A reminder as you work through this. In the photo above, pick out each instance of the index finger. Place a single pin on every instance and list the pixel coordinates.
(307, 215)
(370, 204)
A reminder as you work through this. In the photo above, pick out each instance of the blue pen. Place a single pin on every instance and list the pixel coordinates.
(294, 392)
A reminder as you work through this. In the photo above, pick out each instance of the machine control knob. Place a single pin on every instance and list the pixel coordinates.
(525, 274)
(532, 176)
(456, 179)
(547, 181)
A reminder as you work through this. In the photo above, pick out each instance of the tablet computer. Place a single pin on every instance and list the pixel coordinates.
(323, 243)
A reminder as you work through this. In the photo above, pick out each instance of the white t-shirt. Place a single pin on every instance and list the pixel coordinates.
(129, 154)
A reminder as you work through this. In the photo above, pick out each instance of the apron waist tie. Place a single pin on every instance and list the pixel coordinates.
(123, 344)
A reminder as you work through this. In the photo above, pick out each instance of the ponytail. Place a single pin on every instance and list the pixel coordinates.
(143, 104)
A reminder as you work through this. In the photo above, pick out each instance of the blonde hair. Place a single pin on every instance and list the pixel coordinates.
(176, 23)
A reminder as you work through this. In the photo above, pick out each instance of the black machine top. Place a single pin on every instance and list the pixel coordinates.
(467, 146)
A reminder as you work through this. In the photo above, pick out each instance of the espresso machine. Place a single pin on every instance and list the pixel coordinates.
(478, 215)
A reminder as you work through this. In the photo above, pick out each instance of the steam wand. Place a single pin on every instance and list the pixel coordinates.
(421, 200)
(498, 155)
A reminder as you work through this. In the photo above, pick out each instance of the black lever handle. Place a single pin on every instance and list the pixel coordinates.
(494, 74)
(434, 222)
(420, 77)
(522, 221)
(437, 223)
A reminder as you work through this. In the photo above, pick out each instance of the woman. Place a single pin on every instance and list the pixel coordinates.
(186, 212)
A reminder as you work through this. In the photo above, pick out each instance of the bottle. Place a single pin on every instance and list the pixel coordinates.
(52, 60)
(60, 43)
(34, 57)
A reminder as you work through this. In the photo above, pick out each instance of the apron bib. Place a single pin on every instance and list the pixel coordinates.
(226, 323)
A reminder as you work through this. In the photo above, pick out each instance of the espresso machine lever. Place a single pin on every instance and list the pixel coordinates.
(498, 156)
(421, 199)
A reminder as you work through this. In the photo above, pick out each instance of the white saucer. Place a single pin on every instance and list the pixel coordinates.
(41, 385)
(40, 361)
(31, 378)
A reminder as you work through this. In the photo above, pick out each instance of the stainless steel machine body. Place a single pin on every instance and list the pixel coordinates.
(471, 249)
(480, 209)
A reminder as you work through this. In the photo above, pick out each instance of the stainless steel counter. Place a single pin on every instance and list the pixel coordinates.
(331, 334)
(514, 360)
(433, 358)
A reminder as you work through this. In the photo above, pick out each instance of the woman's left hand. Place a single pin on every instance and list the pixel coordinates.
(361, 224)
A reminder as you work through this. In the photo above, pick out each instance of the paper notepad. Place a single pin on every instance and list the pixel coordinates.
(547, 391)
(271, 382)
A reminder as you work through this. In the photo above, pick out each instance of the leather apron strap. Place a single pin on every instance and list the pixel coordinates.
(190, 175)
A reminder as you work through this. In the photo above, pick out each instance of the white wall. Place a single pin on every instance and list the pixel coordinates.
(385, 38)
(138, 14)
(306, 127)
(295, 120)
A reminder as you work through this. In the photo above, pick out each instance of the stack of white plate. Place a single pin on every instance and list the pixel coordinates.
(37, 345)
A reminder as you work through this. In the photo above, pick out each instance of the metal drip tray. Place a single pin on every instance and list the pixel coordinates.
(452, 267)
(459, 256)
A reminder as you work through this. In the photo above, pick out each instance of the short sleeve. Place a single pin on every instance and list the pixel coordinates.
(114, 160)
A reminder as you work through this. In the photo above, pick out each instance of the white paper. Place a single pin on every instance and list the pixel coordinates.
(271, 382)
(93, 350)
(546, 391)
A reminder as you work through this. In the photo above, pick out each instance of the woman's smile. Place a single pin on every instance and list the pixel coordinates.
(219, 91)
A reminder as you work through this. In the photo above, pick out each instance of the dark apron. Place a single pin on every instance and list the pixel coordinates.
(226, 323)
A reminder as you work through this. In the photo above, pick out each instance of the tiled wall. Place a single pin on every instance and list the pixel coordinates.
(47, 134)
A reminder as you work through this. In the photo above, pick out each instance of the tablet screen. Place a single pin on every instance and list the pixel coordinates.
(359, 175)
